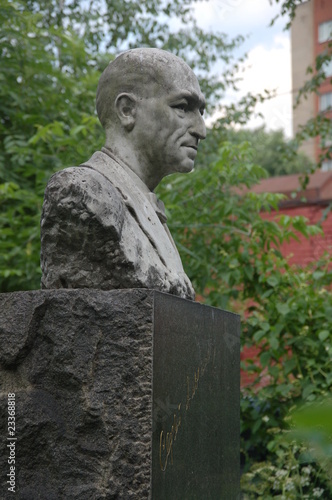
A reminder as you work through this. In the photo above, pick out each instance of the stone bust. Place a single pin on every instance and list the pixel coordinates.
(102, 225)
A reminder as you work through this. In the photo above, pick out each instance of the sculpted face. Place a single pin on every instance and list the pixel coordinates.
(169, 122)
(151, 107)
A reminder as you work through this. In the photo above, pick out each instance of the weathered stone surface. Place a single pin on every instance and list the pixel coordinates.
(99, 230)
(102, 225)
(82, 375)
(124, 394)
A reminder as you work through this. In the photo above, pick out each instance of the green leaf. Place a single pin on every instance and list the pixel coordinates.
(259, 335)
(264, 359)
(317, 275)
(308, 390)
(283, 309)
(323, 335)
(273, 281)
(274, 342)
(289, 366)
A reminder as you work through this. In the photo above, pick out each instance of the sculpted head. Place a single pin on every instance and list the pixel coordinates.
(150, 105)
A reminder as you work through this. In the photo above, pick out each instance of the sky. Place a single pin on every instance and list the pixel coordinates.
(268, 65)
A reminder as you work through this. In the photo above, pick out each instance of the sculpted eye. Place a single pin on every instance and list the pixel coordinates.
(183, 106)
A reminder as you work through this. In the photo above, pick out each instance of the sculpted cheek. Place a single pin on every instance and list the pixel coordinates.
(179, 133)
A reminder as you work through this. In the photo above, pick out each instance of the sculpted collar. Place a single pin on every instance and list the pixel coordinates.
(157, 204)
(139, 205)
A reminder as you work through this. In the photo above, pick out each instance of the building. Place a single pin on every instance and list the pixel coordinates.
(311, 32)
(311, 203)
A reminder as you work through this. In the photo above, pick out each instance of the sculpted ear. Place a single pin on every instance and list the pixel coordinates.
(125, 106)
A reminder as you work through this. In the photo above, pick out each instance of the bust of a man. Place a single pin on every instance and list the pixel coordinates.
(102, 225)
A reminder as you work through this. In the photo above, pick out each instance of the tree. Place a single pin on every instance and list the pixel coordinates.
(51, 62)
(286, 311)
(39, 132)
(109, 26)
(233, 257)
(270, 150)
(52, 53)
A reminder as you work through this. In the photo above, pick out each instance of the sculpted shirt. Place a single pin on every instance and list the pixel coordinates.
(101, 227)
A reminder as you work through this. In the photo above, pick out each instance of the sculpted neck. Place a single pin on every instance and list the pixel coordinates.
(131, 155)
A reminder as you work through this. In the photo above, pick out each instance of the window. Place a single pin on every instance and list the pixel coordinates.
(327, 68)
(325, 143)
(325, 102)
(327, 165)
(325, 31)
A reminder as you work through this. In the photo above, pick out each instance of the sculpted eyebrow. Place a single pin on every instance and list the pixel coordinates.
(194, 98)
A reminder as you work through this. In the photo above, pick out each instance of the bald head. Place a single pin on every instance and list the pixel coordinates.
(143, 72)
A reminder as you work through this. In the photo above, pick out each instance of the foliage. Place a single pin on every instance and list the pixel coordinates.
(225, 243)
(298, 470)
(289, 477)
(49, 72)
(288, 9)
(233, 257)
(50, 67)
(115, 25)
(39, 132)
(312, 424)
(294, 332)
(271, 150)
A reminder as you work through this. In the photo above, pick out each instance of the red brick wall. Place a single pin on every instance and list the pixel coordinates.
(303, 252)
(307, 250)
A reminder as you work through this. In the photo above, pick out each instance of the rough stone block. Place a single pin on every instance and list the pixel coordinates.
(127, 394)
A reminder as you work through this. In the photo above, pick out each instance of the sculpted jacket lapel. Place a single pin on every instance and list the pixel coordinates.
(139, 205)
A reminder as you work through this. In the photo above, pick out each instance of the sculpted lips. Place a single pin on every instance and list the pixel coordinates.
(190, 145)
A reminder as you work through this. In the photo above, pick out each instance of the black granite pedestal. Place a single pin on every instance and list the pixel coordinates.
(127, 394)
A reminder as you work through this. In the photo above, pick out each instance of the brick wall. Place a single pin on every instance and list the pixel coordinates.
(302, 252)
(306, 250)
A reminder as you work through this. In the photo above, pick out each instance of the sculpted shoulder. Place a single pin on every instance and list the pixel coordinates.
(85, 192)
(81, 228)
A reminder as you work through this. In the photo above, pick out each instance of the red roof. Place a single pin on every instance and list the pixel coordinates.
(318, 190)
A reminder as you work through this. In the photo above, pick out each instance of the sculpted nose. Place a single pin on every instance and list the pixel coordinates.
(198, 128)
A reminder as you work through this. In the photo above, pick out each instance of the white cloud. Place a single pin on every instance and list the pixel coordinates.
(268, 69)
(235, 16)
(268, 65)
